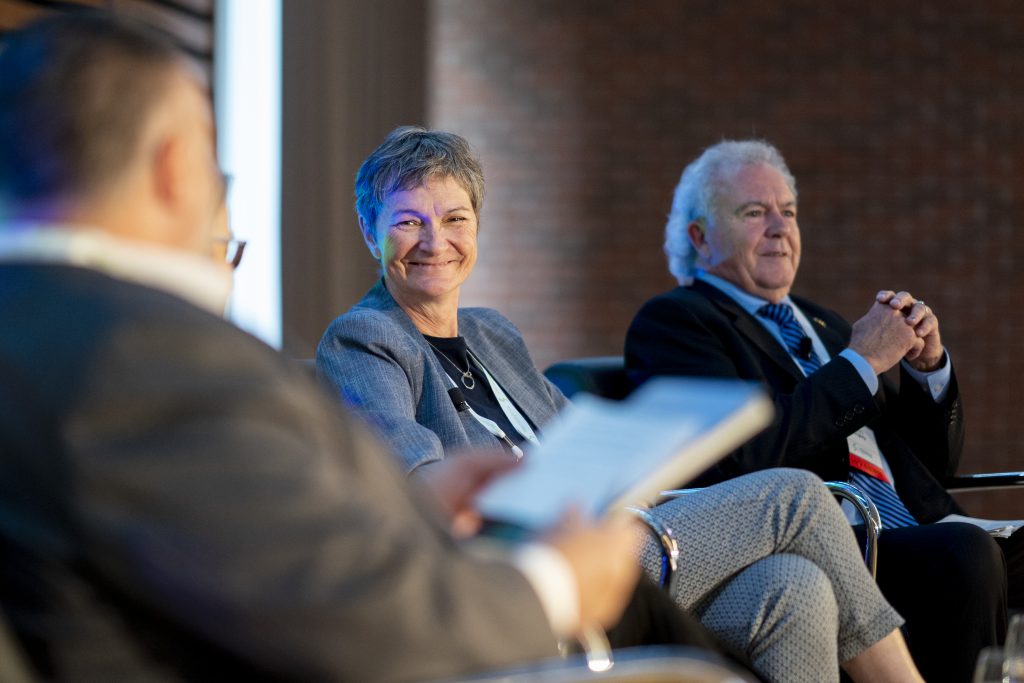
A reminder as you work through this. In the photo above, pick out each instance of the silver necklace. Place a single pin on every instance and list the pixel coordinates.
(465, 377)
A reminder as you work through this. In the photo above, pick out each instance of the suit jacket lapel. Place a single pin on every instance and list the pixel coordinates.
(380, 299)
(829, 336)
(746, 325)
(502, 369)
(509, 371)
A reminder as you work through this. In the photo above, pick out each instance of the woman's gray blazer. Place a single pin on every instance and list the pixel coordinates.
(380, 365)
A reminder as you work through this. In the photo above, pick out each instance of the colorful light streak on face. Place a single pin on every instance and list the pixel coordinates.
(425, 240)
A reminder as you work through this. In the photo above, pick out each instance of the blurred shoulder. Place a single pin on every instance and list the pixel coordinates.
(487, 322)
(680, 298)
(360, 320)
(375, 316)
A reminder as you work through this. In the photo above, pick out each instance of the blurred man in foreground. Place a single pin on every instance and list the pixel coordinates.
(175, 500)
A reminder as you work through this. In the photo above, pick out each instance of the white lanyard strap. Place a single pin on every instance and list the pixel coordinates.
(493, 428)
(487, 423)
(511, 412)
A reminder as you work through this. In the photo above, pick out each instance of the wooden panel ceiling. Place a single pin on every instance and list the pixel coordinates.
(190, 22)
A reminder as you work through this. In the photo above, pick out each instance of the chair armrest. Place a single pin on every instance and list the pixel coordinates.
(603, 376)
(868, 512)
(860, 501)
(651, 664)
(988, 480)
(667, 540)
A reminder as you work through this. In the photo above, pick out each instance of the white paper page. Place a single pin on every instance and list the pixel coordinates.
(1002, 528)
(595, 453)
(708, 400)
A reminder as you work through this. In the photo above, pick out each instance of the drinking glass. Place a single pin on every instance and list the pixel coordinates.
(991, 665)
(1015, 634)
(998, 665)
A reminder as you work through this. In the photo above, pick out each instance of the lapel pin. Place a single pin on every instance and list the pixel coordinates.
(819, 322)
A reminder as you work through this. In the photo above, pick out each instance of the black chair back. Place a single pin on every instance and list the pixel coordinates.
(603, 376)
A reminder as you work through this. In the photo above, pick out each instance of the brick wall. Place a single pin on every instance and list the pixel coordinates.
(899, 119)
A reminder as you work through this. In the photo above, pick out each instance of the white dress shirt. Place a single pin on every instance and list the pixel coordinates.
(192, 277)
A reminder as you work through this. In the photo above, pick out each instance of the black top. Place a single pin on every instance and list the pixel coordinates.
(452, 353)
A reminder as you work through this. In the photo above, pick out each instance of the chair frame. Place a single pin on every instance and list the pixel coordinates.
(606, 376)
(841, 490)
(647, 664)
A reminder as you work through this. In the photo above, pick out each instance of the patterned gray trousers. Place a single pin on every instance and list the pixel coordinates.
(769, 564)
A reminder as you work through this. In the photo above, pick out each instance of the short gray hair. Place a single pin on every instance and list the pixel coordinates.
(695, 194)
(408, 157)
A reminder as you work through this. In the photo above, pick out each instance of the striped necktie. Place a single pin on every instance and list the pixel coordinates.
(793, 335)
(892, 510)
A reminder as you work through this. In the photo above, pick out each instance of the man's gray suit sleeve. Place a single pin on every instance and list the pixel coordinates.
(215, 486)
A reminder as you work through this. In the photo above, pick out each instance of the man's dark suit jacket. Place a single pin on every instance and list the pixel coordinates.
(178, 501)
(698, 330)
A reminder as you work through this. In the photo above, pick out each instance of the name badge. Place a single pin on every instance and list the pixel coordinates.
(865, 455)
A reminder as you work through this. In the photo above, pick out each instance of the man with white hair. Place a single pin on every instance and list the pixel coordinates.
(733, 243)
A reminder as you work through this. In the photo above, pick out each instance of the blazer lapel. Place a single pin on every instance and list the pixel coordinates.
(511, 374)
(504, 370)
(750, 328)
(380, 299)
(829, 336)
(525, 398)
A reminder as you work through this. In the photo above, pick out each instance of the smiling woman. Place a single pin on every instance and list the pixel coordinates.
(425, 241)
(400, 352)
(418, 196)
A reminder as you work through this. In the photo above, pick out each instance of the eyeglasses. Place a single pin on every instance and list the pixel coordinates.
(233, 250)
(225, 183)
